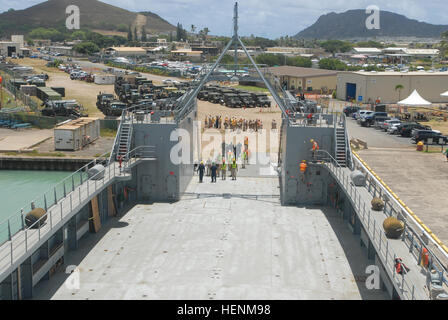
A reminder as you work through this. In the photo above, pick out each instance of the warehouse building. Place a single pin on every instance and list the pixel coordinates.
(15, 47)
(303, 79)
(126, 51)
(367, 87)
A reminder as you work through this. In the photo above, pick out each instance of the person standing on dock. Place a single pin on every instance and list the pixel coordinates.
(213, 170)
(224, 169)
(234, 169)
(201, 170)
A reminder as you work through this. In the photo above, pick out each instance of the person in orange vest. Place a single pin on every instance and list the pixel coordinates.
(303, 168)
(425, 258)
(315, 147)
(400, 267)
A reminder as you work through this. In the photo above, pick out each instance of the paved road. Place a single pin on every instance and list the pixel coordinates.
(376, 138)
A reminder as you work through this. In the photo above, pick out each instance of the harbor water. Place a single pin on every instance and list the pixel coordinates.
(19, 188)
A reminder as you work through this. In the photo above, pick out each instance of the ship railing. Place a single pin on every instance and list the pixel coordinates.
(376, 234)
(321, 120)
(60, 201)
(146, 115)
(138, 154)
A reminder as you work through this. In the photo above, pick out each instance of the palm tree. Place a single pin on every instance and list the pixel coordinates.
(398, 88)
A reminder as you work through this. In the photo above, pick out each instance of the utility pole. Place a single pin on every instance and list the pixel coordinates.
(235, 35)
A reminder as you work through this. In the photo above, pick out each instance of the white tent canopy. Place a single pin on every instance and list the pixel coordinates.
(415, 99)
(445, 94)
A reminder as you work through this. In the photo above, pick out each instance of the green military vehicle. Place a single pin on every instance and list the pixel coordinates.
(261, 100)
(232, 100)
(246, 100)
(214, 97)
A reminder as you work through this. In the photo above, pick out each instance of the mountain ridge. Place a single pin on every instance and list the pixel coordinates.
(351, 24)
(94, 14)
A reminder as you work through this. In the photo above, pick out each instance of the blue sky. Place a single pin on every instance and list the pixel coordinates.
(267, 18)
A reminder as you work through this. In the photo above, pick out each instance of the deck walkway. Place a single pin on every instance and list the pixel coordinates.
(413, 284)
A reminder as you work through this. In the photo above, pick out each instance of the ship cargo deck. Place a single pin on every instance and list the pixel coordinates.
(229, 240)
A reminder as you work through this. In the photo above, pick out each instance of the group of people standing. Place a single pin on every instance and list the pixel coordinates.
(214, 170)
(232, 123)
(222, 166)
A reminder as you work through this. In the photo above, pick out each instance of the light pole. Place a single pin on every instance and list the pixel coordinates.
(1, 92)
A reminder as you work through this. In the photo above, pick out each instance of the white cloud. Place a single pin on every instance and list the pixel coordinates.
(267, 18)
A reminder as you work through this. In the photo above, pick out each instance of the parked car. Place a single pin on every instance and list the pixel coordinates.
(370, 118)
(393, 129)
(387, 123)
(359, 114)
(362, 115)
(350, 110)
(406, 129)
(425, 135)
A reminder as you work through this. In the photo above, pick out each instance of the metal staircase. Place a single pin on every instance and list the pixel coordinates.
(341, 146)
(124, 142)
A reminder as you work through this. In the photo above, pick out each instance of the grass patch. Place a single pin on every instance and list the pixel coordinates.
(35, 153)
(252, 89)
(107, 155)
(108, 133)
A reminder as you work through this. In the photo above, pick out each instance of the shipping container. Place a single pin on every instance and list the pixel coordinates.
(104, 79)
(76, 134)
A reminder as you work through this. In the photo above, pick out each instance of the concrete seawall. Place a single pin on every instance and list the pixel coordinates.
(42, 164)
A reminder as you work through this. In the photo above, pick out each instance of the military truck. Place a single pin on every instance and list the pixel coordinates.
(115, 108)
(232, 100)
(214, 97)
(246, 100)
(63, 108)
(103, 99)
(261, 100)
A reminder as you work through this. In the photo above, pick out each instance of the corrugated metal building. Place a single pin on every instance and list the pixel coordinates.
(367, 87)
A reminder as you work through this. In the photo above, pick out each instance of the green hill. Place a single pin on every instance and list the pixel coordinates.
(94, 15)
(351, 24)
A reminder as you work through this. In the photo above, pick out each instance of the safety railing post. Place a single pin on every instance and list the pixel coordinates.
(45, 202)
(374, 228)
(368, 223)
(65, 191)
(61, 211)
(26, 240)
(23, 220)
(9, 230)
(73, 183)
(12, 257)
(71, 202)
(55, 196)
(79, 189)
(88, 191)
